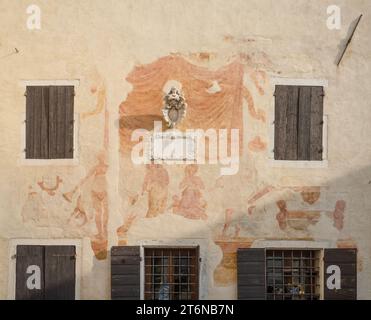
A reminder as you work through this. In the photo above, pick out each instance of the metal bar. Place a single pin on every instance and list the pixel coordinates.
(349, 40)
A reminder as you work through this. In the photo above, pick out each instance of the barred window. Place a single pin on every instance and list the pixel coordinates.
(171, 273)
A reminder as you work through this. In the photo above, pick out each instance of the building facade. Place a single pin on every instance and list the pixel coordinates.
(95, 206)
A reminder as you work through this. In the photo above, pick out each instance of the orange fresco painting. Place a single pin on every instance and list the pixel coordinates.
(50, 190)
(156, 182)
(338, 214)
(311, 195)
(257, 145)
(122, 232)
(101, 101)
(97, 179)
(217, 109)
(298, 220)
(225, 274)
(191, 204)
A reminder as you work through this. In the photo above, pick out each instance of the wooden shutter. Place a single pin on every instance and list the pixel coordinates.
(61, 110)
(29, 256)
(60, 272)
(346, 260)
(280, 122)
(37, 114)
(49, 122)
(316, 124)
(125, 273)
(251, 274)
(298, 123)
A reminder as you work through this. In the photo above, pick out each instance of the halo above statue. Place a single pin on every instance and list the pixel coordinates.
(174, 109)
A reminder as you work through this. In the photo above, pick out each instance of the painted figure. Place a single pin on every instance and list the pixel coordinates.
(338, 214)
(191, 204)
(156, 182)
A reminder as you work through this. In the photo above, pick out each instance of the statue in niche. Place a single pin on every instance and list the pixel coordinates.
(174, 109)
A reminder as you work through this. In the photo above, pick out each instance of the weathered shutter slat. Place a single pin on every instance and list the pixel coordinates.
(53, 100)
(291, 152)
(280, 120)
(304, 123)
(346, 260)
(125, 273)
(61, 123)
(36, 126)
(29, 256)
(60, 272)
(316, 127)
(251, 274)
(69, 91)
(44, 123)
(30, 122)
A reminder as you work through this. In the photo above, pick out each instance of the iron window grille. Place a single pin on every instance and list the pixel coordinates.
(171, 273)
(293, 274)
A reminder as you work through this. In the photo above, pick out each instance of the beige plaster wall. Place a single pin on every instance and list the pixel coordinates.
(100, 42)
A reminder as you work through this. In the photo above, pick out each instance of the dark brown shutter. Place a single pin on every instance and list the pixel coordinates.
(298, 123)
(60, 265)
(61, 110)
(37, 131)
(316, 124)
(27, 256)
(280, 122)
(49, 122)
(304, 123)
(346, 260)
(125, 273)
(251, 274)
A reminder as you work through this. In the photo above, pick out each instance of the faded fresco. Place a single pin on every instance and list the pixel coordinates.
(225, 64)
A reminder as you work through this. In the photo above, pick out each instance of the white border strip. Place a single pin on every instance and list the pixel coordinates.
(25, 83)
(298, 82)
(13, 243)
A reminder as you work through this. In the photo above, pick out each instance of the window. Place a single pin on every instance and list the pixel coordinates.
(296, 274)
(298, 123)
(49, 122)
(292, 275)
(45, 272)
(171, 273)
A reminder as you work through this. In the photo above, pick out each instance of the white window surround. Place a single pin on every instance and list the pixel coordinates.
(49, 162)
(297, 164)
(178, 243)
(13, 243)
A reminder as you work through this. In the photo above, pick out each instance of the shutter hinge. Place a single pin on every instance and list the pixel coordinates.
(24, 150)
(14, 256)
(320, 150)
(141, 258)
(321, 123)
(322, 94)
(25, 94)
(200, 259)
